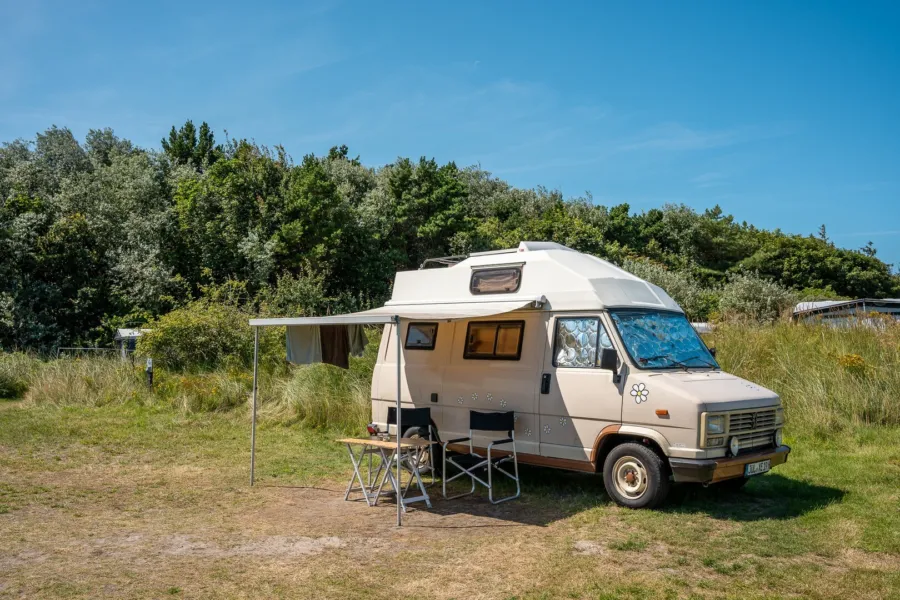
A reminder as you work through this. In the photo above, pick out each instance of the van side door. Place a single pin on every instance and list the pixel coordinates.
(577, 399)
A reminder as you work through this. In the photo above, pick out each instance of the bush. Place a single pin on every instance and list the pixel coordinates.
(750, 297)
(207, 336)
(16, 372)
(205, 392)
(90, 382)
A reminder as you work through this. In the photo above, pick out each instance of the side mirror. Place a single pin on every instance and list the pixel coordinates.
(609, 359)
(713, 352)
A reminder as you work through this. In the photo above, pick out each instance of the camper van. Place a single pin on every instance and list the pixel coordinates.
(602, 369)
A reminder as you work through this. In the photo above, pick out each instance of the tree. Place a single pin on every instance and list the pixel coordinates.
(185, 147)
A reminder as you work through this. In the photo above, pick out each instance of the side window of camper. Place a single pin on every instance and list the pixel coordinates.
(494, 340)
(578, 342)
(496, 281)
(421, 336)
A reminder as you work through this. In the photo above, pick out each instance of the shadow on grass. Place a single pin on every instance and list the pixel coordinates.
(771, 496)
(549, 495)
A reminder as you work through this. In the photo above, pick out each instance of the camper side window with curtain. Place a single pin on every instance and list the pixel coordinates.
(495, 340)
(578, 342)
(421, 336)
(496, 281)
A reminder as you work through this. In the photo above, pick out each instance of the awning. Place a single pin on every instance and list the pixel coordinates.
(387, 314)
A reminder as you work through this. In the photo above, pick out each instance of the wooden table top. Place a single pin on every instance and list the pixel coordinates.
(379, 442)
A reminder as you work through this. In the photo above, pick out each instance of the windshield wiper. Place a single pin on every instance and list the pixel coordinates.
(645, 360)
(678, 363)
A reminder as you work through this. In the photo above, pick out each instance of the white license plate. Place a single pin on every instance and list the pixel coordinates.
(757, 468)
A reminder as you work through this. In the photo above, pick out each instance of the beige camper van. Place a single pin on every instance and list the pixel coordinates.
(604, 372)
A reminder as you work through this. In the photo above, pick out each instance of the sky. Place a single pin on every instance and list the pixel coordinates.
(785, 114)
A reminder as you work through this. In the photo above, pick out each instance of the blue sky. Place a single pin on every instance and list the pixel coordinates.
(787, 114)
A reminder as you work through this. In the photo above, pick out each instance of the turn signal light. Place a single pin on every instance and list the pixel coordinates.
(661, 412)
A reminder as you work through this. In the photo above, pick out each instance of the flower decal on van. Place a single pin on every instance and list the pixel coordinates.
(459, 400)
(502, 403)
(490, 397)
(640, 392)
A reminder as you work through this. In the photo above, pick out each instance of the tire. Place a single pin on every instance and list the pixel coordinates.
(635, 476)
(436, 450)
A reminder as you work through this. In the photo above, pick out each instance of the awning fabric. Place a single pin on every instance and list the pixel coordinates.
(386, 314)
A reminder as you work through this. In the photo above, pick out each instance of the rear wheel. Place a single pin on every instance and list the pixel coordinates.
(433, 456)
(635, 476)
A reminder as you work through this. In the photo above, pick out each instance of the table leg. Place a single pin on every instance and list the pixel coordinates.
(357, 476)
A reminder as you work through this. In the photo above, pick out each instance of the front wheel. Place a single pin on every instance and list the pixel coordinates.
(635, 476)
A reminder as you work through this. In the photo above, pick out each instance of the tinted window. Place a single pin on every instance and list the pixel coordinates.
(496, 281)
(421, 336)
(494, 340)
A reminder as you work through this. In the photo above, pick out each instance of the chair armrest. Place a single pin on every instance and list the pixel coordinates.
(506, 441)
(456, 441)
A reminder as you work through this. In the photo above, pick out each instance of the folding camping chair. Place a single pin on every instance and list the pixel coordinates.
(421, 418)
(469, 463)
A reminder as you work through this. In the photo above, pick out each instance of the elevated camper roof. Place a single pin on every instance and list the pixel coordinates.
(567, 279)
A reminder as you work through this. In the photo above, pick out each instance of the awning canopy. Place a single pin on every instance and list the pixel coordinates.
(387, 314)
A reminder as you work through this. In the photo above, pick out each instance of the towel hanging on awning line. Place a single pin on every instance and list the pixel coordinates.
(331, 344)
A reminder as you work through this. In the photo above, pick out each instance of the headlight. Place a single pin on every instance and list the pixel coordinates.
(715, 424)
(778, 437)
(734, 445)
(779, 416)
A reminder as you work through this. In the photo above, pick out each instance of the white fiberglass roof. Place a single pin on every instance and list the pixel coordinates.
(569, 280)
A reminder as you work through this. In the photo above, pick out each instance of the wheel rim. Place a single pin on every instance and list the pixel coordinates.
(424, 457)
(630, 477)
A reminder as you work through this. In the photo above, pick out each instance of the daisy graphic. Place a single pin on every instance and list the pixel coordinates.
(639, 391)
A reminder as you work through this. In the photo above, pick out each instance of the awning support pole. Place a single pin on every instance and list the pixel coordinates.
(399, 426)
(253, 418)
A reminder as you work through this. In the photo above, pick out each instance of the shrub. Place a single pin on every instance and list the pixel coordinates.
(205, 392)
(207, 336)
(747, 296)
(16, 372)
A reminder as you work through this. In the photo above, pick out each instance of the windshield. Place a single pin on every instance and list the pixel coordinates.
(661, 340)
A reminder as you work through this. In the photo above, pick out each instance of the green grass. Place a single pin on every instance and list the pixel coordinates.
(825, 525)
(108, 490)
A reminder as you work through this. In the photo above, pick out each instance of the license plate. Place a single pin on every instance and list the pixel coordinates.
(757, 468)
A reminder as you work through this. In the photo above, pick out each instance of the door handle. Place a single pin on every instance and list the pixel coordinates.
(545, 383)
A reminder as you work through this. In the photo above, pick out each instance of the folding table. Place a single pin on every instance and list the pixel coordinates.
(371, 489)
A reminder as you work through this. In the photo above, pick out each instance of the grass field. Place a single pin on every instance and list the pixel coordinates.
(146, 501)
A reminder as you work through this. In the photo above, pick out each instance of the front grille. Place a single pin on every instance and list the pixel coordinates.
(751, 421)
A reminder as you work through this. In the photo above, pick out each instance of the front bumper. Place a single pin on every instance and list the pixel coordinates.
(711, 470)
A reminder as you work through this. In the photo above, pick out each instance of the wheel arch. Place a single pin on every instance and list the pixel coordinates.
(613, 435)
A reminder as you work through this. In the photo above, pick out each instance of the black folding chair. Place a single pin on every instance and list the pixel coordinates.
(471, 462)
(417, 418)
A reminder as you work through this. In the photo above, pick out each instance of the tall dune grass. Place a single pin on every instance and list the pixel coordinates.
(325, 396)
(91, 381)
(16, 373)
(827, 378)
